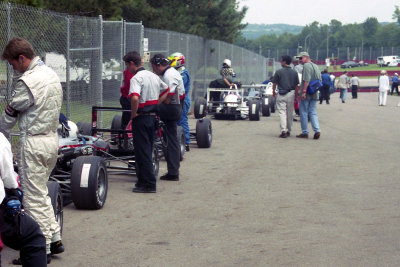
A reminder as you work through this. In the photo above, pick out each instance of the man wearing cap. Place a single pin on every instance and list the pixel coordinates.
(170, 112)
(395, 84)
(308, 102)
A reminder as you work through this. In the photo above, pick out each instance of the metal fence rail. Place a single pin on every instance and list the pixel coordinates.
(87, 54)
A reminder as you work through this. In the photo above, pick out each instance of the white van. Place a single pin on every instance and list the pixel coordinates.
(390, 61)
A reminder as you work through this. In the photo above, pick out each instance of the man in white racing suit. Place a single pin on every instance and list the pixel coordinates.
(36, 102)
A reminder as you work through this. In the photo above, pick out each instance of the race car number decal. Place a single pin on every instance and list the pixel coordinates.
(253, 108)
(85, 175)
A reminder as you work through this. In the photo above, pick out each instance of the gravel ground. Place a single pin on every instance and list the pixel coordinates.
(254, 199)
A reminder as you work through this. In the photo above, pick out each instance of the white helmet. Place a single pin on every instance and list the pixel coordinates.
(227, 62)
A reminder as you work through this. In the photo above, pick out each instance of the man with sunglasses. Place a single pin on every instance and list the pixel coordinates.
(308, 102)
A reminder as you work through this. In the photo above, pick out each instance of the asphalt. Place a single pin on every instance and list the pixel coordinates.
(254, 199)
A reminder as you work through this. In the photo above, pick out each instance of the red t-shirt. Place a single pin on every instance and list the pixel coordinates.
(127, 81)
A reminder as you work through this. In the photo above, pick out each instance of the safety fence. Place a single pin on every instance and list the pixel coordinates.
(87, 53)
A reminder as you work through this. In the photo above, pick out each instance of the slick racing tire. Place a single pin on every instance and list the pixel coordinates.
(84, 128)
(116, 125)
(89, 182)
(254, 110)
(182, 142)
(54, 192)
(265, 107)
(204, 133)
(273, 104)
(200, 106)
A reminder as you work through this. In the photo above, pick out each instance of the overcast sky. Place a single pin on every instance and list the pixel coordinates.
(302, 12)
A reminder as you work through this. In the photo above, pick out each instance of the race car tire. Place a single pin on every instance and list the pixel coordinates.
(116, 125)
(156, 161)
(89, 182)
(200, 107)
(204, 133)
(182, 142)
(84, 128)
(254, 110)
(55, 194)
(265, 108)
(273, 104)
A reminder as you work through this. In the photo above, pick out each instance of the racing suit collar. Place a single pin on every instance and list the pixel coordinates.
(35, 61)
(139, 69)
(162, 74)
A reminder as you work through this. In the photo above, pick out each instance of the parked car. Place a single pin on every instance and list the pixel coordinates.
(350, 64)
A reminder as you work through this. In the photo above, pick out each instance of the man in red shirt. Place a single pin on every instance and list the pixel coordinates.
(125, 99)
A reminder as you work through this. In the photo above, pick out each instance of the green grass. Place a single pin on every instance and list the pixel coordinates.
(372, 67)
(83, 112)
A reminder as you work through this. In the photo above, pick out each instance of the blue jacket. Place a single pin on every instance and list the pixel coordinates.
(326, 79)
(395, 79)
(186, 82)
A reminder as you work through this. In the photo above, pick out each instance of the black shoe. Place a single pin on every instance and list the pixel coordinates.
(303, 135)
(317, 135)
(144, 190)
(187, 148)
(17, 261)
(327, 102)
(169, 177)
(283, 135)
(287, 134)
(57, 247)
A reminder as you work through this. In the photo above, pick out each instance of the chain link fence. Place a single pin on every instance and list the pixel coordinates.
(87, 53)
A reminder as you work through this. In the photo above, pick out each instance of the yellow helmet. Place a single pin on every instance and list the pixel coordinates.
(176, 60)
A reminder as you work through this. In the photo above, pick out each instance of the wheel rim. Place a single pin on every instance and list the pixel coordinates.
(101, 185)
(155, 162)
(209, 133)
(59, 211)
(182, 144)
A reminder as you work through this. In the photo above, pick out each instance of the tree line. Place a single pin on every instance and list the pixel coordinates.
(211, 19)
(222, 20)
(326, 37)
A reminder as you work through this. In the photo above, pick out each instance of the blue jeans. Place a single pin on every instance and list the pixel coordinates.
(343, 94)
(184, 119)
(308, 109)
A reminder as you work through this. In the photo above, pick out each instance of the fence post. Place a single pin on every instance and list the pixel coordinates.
(67, 69)
(9, 69)
(100, 100)
(122, 50)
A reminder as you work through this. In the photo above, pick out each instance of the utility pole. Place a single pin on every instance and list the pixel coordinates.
(327, 41)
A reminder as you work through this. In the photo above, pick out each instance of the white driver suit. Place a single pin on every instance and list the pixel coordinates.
(36, 102)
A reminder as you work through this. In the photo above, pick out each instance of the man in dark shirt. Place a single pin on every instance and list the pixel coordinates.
(287, 80)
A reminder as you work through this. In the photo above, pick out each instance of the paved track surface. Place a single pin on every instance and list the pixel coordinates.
(254, 199)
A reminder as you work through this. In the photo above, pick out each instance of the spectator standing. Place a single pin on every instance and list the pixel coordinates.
(395, 84)
(326, 84)
(19, 230)
(287, 81)
(342, 85)
(177, 61)
(308, 102)
(355, 84)
(170, 113)
(124, 100)
(383, 88)
(146, 91)
(332, 76)
(36, 102)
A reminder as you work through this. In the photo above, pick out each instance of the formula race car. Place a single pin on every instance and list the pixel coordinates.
(81, 174)
(235, 103)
